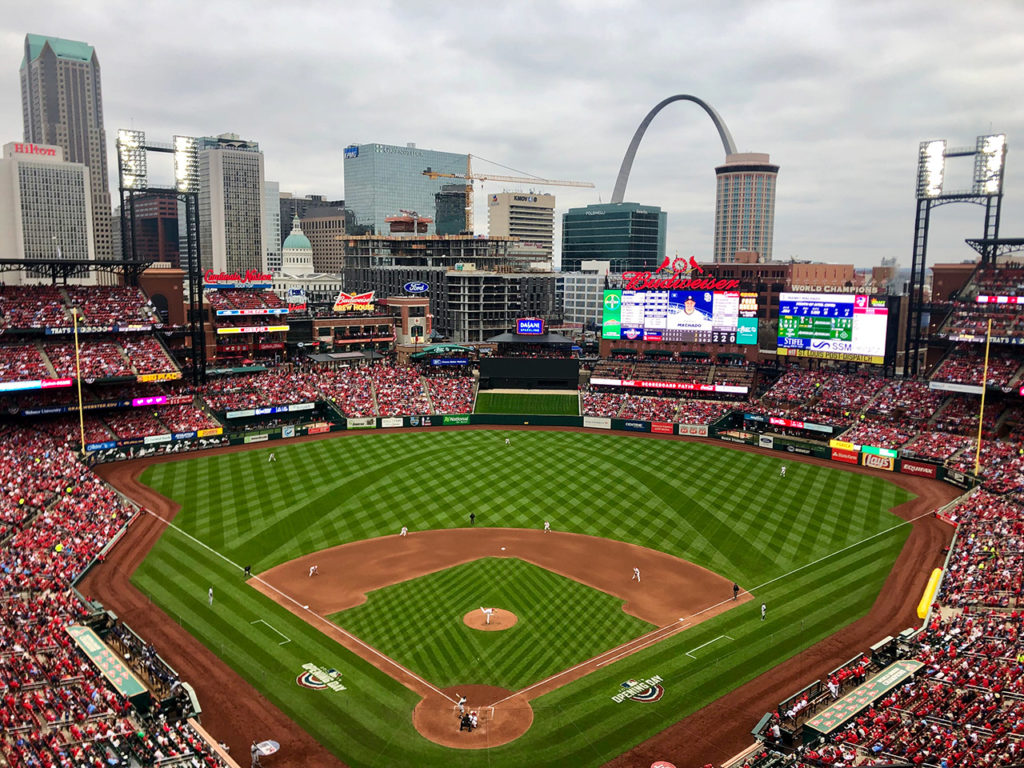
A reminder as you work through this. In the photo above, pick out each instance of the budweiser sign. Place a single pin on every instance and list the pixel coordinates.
(35, 149)
(354, 302)
(680, 278)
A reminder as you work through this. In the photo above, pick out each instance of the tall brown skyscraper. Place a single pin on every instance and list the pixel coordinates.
(745, 208)
(62, 104)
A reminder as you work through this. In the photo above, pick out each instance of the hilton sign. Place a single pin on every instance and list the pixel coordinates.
(34, 149)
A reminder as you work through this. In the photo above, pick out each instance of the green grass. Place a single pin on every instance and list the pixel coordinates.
(419, 624)
(725, 510)
(527, 404)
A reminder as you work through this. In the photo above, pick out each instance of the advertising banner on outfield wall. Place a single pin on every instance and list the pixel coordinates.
(288, 431)
(391, 421)
(766, 441)
(888, 463)
(957, 478)
(261, 438)
(845, 456)
(462, 418)
(660, 428)
(593, 422)
(918, 469)
(210, 432)
(693, 430)
(367, 422)
(635, 426)
(318, 429)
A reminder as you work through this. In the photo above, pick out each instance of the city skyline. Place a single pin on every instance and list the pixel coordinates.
(839, 95)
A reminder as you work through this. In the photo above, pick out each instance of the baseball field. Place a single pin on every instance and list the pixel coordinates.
(384, 630)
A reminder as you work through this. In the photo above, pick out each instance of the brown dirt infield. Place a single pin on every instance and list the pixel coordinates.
(500, 620)
(435, 717)
(235, 713)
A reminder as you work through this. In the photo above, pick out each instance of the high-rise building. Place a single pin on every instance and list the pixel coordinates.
(383, 180)
(232, 205)
(156, 229)
(745, 206)
(628, 235)
(62, 105)
(325, 228)
(291, 206)
(272, 226)
(45, 208)
(450, 210)
(530, 217)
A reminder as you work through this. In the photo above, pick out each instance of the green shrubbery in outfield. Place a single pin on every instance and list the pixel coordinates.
(728, 511)
(527, 404)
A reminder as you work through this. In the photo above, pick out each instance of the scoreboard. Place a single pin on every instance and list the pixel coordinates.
(836, 326)
(704, 317)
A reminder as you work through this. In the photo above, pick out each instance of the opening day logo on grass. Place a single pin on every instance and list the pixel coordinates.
(319, 678)
(645, 691)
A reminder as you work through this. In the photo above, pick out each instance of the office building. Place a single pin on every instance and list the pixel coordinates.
(232, 205)
(156, 229)
(45, 209)
(326, 229)
(450, 210)
(580, 295)
(745, 206)
(291, 206)
(528, 217)
(62, 105)
(630, 236)
(273, 225)
(383, 180)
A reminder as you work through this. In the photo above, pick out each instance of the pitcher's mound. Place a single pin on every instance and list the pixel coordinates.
(500, 619)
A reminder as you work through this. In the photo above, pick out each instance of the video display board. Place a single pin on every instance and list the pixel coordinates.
(834, 326)
(725, 317)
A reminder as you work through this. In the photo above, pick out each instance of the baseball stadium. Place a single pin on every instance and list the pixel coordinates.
(312, 541)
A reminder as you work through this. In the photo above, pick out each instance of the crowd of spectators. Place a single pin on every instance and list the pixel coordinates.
(283, 386)
(229, 298)
(935, 446)
(146, 355)
(398, 390)
(23, 362)
(965, 364)
(57, 709)
(451, 394)
(33, 306)
(106, 306)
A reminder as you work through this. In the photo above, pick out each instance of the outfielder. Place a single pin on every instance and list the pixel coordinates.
(210, 596)
(272, 457)
(782, 472)
(508, 441)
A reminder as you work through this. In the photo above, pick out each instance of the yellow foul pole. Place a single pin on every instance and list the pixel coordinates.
(78, 376)
(981, 413)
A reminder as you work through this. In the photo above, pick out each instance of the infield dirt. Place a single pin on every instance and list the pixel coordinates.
(233, 710)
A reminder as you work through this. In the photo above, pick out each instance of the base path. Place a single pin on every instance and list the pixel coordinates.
(234, 712)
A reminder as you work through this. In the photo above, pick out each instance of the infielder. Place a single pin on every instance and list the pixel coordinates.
(547, 526)
(210, 596)
(487, 613)
(636, 575)
(314, 570)
(764, 610)
(405, 531)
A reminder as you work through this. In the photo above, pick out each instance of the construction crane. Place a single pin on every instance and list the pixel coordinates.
(471, 177)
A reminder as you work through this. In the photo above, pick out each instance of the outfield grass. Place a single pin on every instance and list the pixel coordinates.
(726, 510)
(419, 624)
(527, 404)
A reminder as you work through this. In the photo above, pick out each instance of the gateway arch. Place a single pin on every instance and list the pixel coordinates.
(627, 161)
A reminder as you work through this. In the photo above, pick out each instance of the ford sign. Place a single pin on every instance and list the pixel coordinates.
(416, 287)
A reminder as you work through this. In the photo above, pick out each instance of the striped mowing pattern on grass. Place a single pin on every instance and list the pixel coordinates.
(419, 623)
(527, 404)
(725, 510)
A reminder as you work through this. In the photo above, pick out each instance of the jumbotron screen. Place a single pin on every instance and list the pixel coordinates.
(834, 326)
(726, 317)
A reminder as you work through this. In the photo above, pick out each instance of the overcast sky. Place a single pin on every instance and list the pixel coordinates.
(838, 93)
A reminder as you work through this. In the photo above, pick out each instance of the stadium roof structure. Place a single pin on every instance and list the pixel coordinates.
(996, 246)
(64, 268)
(545, 338)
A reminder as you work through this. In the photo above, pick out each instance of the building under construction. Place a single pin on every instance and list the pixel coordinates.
(474, 292)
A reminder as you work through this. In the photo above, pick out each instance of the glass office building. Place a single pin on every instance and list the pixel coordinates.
(382, 180)
(630, 236)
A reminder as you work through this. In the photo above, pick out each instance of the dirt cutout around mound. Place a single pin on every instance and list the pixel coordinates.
(500, 619)
(235, 713)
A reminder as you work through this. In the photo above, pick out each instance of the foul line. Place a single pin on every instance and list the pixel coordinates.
(292, 600)
(282, 634)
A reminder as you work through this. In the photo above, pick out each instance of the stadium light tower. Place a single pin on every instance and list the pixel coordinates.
(989, 153)
(132, 171)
